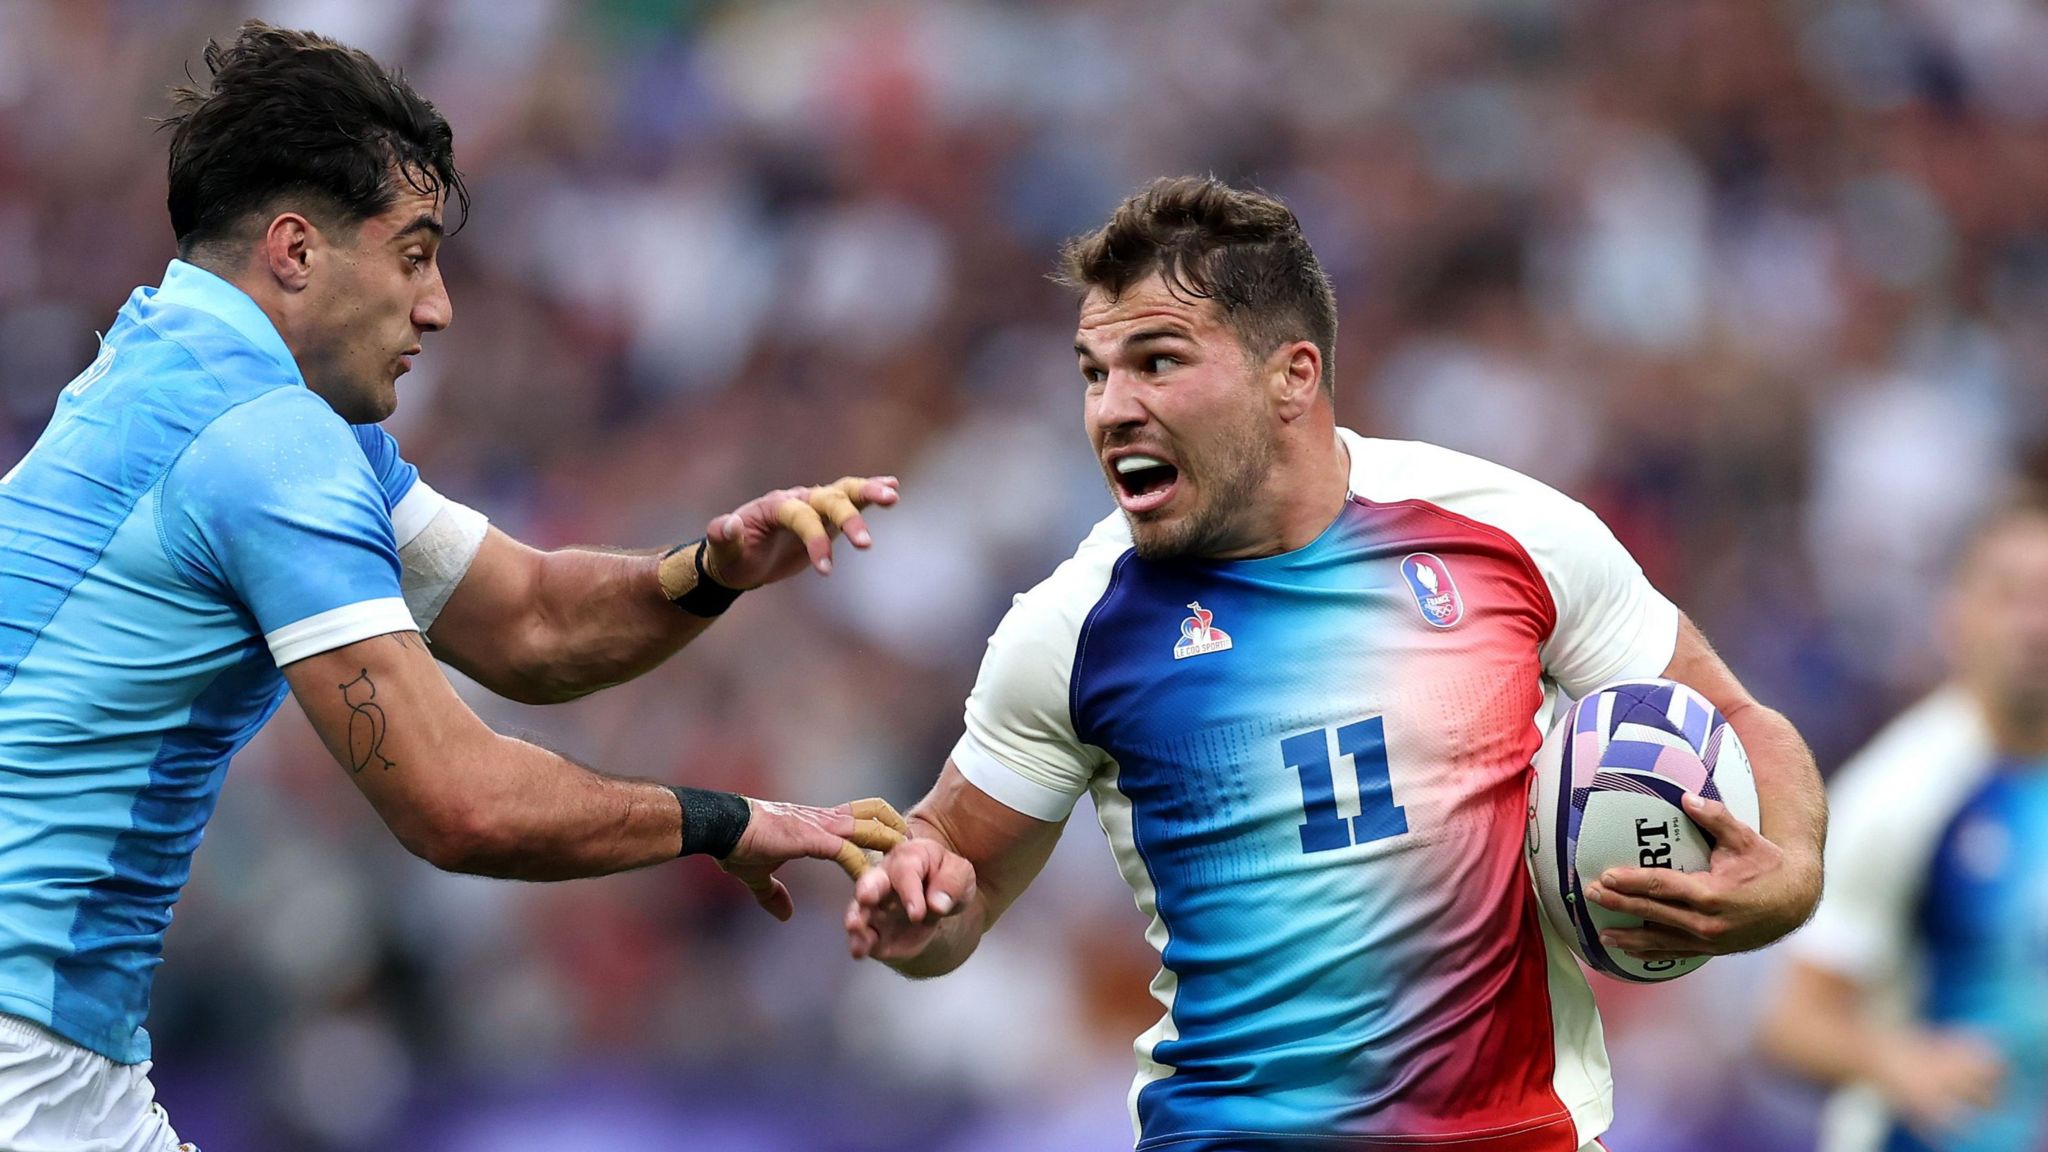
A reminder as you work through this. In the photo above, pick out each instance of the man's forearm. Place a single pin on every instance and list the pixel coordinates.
(529, 814)
(1796, 812)
(599, 619)
(1817, 1027)
(1788, 783)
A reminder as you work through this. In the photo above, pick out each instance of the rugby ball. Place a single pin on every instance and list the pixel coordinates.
(1607, 791)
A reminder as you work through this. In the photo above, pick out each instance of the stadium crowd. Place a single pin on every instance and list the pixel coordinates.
(1765, 283)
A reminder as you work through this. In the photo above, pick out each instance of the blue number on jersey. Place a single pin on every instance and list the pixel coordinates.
(1308, 753)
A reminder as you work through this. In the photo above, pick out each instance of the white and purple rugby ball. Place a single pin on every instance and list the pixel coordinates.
(1607, 793)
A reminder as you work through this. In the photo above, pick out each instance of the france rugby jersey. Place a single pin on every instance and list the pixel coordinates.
(192, 518)
(1314, 769)
(1937, 902)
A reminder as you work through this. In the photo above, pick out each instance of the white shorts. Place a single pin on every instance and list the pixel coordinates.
(58, 1097)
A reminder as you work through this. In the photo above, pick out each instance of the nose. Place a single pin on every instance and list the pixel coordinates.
(1117, 405)
(433, 310)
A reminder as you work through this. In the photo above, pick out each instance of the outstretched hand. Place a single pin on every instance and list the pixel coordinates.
(775, 536)
(1752, 893)
(778, 833)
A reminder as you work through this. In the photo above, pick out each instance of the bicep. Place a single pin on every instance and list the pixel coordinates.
(389, 716)
(1006, 847)
(476, 627)
(1695, 664)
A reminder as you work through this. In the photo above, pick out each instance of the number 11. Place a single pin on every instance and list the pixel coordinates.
(1308, 753)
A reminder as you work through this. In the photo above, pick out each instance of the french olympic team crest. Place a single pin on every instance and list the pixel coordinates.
(1435, 592)
(1198, 636)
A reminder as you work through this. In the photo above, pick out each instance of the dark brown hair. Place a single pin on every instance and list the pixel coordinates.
(296, 120)
(1241, 248)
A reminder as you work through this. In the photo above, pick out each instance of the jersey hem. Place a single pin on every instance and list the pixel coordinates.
(132, 1049)
(1009, 787)
(337, 627)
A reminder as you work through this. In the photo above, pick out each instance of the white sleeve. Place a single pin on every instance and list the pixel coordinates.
(1020, 746)
(438, 539)
(1887, 810)
(1611, 623)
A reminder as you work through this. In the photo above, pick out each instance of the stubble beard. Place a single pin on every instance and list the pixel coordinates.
(1230, 484)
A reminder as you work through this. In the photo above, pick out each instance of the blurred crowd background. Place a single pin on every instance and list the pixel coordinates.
(1765, 283)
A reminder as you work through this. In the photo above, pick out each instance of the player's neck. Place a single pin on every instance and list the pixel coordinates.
(1308, 489)
(2020, 738)
(2018, 731)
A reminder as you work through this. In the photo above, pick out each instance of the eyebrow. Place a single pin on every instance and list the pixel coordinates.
(425, 222)
(1145, 336)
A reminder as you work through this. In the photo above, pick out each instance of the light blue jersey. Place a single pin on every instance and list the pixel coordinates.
(192, 519)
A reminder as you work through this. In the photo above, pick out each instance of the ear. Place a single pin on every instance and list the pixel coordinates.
(1296, 379)
(286, 250)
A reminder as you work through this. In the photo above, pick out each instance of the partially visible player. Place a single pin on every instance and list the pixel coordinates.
(1303, 674)
(213, 513)
(1921, 987)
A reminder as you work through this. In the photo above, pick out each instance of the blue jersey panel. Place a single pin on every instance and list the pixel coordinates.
(188, 495)
(1985, 928)
(394, 474)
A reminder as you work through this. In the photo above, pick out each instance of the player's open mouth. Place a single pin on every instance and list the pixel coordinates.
(1143, 482)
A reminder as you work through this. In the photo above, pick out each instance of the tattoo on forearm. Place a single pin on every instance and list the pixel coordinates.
(366, 725)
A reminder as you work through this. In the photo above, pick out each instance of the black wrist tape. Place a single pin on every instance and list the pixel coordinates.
(712, 821)
(707, 597)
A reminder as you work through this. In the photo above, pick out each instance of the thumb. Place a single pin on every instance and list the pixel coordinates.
(775, 898)
(725, 529)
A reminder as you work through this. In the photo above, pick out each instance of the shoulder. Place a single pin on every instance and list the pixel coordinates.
(1029, 663)
(282, 448)
(1394, 471)
(282, 431)
(1056, 609)
(1917, 771)
(1890, 807)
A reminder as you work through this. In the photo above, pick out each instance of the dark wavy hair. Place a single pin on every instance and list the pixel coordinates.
(293, 120)
(1241, 248)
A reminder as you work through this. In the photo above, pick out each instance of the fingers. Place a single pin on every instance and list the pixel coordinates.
(725, 529)
(874, 808)
(923, 877)
(1666, 885)
(851, 860)
(1655, 911)
(906, 872)
(769, 893)
(871, 888)
(800, 519)
(839, 510)
(875, 835)
(1655, 942)
(1719, 822)
(950, 886)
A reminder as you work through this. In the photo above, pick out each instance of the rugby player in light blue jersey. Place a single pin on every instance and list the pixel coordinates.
(213, 514)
